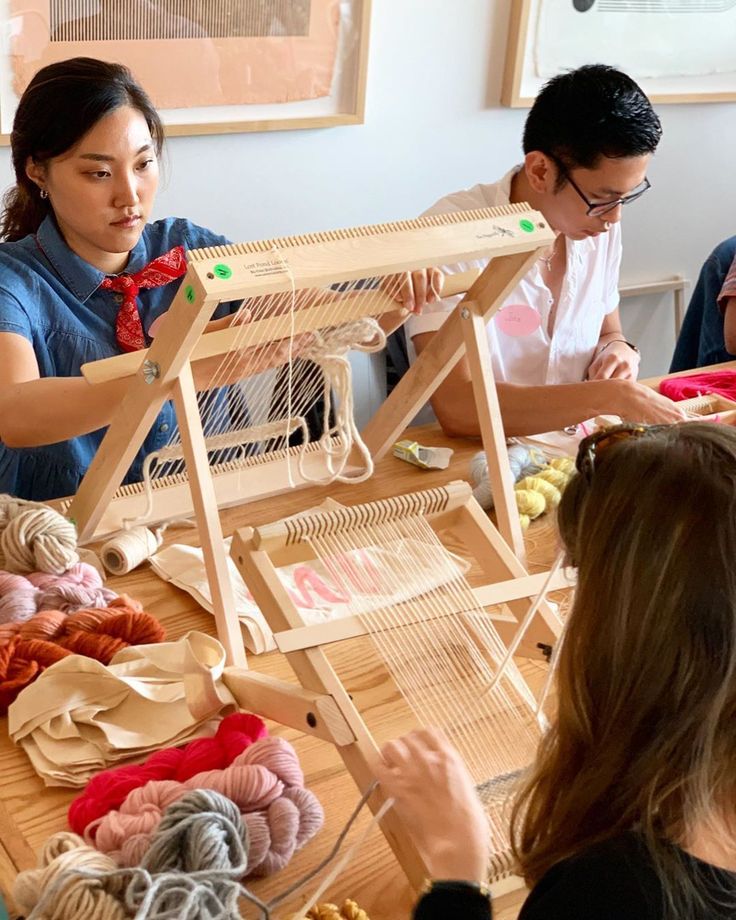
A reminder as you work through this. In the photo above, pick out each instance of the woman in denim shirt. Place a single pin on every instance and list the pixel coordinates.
(86, 144)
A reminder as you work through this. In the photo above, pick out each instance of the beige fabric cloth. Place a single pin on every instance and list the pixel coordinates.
(80, 716)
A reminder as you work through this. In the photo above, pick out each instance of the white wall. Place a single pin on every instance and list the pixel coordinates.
(433, 124)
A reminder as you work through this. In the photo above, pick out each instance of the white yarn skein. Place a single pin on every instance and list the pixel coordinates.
(129, 548)
(35, 538)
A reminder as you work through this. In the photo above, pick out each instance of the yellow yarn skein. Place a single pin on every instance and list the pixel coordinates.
(565, 465)
(536, 494)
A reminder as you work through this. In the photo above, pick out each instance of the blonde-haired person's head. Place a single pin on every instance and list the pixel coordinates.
(645, 734)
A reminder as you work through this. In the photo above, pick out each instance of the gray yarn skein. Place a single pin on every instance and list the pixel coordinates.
(192, 869)
(193, 866)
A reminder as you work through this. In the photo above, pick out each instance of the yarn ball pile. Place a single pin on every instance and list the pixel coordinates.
(348, 911)
(28, 648)
(191, 870)
(35, 538)
(538, 482)
(79, 587)
(266, 784)
(108, 790)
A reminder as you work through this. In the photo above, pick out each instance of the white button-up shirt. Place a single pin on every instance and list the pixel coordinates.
(523, 352)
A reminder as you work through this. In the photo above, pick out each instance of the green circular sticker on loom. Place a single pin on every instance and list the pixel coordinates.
(189, 293)
(222, 271)
(527, 226)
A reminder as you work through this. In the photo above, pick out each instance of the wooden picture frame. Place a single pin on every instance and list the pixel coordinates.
(310, 75)
(546, 37)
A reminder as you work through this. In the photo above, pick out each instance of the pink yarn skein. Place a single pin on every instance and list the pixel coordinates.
(265, 782)
(21, 597)
(18, 598)
(80, 586)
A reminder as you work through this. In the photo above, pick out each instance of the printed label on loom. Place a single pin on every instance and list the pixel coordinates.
(518, 319)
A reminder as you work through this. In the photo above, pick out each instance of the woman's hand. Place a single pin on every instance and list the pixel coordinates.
(435, 796)
(414, 290)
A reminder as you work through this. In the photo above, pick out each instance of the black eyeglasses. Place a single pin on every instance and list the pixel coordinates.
(599, 208)
(600, 441)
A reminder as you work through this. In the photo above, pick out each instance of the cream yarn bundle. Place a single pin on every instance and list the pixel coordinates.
(35, 538)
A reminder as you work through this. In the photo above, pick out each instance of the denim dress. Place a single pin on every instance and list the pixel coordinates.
(52, 297)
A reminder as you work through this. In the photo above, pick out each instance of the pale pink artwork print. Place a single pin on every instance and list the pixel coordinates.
(188, 53)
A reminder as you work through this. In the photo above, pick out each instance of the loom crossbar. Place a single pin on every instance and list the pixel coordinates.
(297, 529)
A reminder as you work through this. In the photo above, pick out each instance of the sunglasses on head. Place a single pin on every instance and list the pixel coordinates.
(595, 445)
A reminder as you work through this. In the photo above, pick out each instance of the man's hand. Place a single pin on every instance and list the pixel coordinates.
(637, 403)
(615, 360)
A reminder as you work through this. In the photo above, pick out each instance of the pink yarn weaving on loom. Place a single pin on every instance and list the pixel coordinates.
(266, 784)
(108, 789)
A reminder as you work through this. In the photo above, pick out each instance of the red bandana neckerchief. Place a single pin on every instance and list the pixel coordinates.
(162, 270)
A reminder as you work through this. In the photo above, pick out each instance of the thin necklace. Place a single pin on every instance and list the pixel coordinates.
(548, 259)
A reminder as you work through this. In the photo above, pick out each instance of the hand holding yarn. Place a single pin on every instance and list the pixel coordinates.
(421, 770)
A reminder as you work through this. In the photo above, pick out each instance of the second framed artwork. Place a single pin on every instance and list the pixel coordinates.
(677, 50)
(210, 66)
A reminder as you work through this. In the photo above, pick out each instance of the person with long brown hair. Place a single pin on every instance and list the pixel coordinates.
(628, 810)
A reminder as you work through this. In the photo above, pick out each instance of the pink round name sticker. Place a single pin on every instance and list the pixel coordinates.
(518, 319)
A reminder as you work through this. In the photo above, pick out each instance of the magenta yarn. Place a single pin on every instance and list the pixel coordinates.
(266, 784)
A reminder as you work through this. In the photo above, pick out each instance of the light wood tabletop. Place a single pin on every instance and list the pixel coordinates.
(30, 812)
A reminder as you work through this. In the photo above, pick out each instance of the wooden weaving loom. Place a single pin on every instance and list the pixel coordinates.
(319, 284)
(325, 284)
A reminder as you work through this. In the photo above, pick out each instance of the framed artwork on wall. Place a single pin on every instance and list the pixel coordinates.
(677, 50)
(210, 66)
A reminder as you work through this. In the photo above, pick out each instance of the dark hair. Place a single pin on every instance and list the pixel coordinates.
(589, 113)
(59, 106)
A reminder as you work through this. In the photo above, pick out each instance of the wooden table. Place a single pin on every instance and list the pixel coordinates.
(30, 812)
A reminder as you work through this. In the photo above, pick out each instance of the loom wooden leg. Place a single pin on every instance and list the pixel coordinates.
(208, 519)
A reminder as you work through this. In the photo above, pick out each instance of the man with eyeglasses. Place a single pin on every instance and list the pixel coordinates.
(559, 353)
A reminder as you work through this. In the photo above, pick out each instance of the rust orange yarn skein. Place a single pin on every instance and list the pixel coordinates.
(27, 649)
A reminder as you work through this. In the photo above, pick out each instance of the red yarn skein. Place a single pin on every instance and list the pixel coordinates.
(109, 789)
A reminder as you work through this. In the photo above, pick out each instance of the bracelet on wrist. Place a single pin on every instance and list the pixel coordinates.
(457, 885)
(631, 345)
